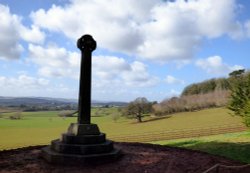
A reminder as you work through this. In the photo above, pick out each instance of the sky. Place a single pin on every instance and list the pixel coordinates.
(145, 48)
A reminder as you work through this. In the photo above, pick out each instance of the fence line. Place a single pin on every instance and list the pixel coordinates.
(178, 134)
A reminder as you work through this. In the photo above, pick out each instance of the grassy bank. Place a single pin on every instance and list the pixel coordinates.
(235, 146)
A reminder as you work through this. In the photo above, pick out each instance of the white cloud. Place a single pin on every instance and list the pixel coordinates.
(12, 31)
(138, 76)
(54, 61)
(22, 82)
(215, 65)
(152, 29)
(115, 72)
(9, 34)
(116, 79)
(107, 70)
(174, 93)
(33, 35)
(247, 28)
(108, 67)
(25, 85)
(172, 80)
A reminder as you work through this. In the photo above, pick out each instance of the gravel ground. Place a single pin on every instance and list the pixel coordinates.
(137, 158)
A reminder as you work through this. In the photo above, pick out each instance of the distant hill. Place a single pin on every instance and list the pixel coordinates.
(33, 101)
(110, 103)
(47, 101)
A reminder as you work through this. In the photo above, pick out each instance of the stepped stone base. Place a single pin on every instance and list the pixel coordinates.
(84, 139)
(83, 143)
(83, 129)
(71, 159)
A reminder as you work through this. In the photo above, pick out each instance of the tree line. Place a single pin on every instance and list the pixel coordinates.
(207, 86)
(194, 102)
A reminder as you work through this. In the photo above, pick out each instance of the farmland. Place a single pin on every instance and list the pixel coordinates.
(36, 128)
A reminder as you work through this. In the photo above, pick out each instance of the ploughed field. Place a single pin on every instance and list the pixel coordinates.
(39, 128)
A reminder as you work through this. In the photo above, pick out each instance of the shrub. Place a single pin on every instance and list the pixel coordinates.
(16, 116)
(240, 96)
(246, 117)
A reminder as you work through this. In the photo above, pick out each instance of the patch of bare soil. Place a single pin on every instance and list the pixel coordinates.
(137, 158)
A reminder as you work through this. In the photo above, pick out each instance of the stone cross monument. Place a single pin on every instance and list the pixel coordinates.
(86, 44)
(83, 141)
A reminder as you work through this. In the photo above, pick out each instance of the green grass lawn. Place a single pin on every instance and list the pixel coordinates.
(235, 146)
(38, 128)
(34, 128)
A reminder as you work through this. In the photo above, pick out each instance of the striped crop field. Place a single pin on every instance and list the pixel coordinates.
(36, 128)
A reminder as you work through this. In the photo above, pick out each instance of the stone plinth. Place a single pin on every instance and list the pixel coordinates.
(83, 143)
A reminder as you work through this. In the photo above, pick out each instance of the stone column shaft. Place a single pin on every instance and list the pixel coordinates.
(86, 44)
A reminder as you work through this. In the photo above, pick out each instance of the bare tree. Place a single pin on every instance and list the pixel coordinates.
(137, 108)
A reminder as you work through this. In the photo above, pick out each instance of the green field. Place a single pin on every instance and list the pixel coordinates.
(235, 146)
(38, 128)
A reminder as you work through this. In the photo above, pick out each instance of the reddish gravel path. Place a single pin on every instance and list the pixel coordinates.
(137, 158)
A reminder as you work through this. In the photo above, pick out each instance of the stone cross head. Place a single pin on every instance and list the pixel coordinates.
(86, 42)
